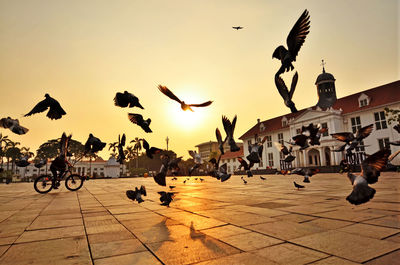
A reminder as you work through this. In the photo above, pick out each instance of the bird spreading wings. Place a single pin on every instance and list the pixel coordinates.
(150, 152)
(184, 106)
(196, 157)
(94, 144)
(13, 125)
(353, 140)
(55, 109)
(244, 164)
(306, 172)
(294, 42)
(219, 140)
(370, 171)
(138, 119)
(301, 140)
(126, 99)
(237, 28)
(286, 94)
(229, 128)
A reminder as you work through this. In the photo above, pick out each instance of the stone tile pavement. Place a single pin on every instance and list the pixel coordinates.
(263, 222)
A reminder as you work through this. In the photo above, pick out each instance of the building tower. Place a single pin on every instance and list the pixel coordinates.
(326, 89)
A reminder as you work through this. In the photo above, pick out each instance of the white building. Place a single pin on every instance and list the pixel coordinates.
(345, 114)
(231, 160)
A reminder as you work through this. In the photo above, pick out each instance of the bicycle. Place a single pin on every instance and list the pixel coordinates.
(45, 183)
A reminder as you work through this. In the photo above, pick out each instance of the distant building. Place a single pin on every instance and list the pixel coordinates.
(204, 149)
(346, 114)
(231, 159)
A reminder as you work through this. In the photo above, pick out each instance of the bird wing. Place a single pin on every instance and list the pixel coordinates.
(300, 139)
(374, 164)
(260, 149)
(227, 126)
(192, 154)
(135, 118)
(243, 163)
(293, 85)
(40, 107)
(279, 146)
(223, 168)
(298, 34)
(219, 137)
(146, 145)
(233, 124)
(343, 136)
(4, 123)
(56, 111)
(282, 88)
(123, 140)
(205, 104)
(351, 177)
(364, 132)
(120, 100)
(168, 93)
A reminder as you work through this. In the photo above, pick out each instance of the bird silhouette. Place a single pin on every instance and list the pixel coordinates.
(13, 125)
(126, 99)
(237, 28)
(197, 161)
(247, 167)
(138, 119)
(301, 140)
(166, 197)
(286, 94)
(353, 140)
(150, 152)
(121, 143)
(229, 128)
(294, 42)
(298, 186)
(263, 178)
(219, 140)
(55, 109)
(244, 181)
(306, 172)
(184, 106)
(94, 144)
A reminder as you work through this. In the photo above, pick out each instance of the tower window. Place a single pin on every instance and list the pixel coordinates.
(363, 102)
(325, 125)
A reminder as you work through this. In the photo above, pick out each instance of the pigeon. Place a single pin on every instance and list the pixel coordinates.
(173, 165)
(351, 140)
(255, 151)
(166, 197)
(220, 142)
(314, 132)
(159, 178)
(294, 42)
(283, 149)
(55, 111)
(247, 167)
(184, 182)
(201, 179)
(196, 178)
(237, 28)
(13, 125)
(150, 152)
(286, 94)
(229, 128)
(121, 144)
(126, 99)
(301, 140)
(93, 144)
(263, 178)
(40, 163)
(370, 172)
(197, 161)
(23, 162)
(298, 186)
(244, 181)
(289, 158)
(138, 119)
(219, 172)
(184, 106)
(137, 194)
(306, 172)
(172, 187)
(174, 178)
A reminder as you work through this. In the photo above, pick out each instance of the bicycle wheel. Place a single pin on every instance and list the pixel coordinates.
(74, 182)
(43, 184)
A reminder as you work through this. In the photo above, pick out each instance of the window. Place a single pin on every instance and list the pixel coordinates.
(310, 159)
(249, 142)
(280, 138)
(270, 159)
(355, 124)
(383, 143)
(361, 146)
(380, 120)
(284, 123)
(325, 125)
(269, 141)
(363, 102)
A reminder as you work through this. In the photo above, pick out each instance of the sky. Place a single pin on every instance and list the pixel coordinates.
(83, 52)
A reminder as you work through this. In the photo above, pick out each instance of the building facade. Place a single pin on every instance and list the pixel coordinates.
(206, 148)
(346, 114)
(231, 160)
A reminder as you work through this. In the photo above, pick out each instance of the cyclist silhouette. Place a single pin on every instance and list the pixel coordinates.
(60, 163)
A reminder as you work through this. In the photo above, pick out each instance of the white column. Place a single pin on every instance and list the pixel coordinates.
(322, 156)
(304, 158)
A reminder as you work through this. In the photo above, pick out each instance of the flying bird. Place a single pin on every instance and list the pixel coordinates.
(314, 133)
(301, 140)
(13, 125)
(294, 42)
(138, 119)
(160, 177)
(219, 140)
(166, 197)
(94, 144)
(184, 106)
(126, 99)
(229, 128)
(55, 109)
(298, 186)
(255, 151)
(150, 152)
(244, 181)
(197, 161)
(172, 187)
(286, 94)
(121, 144)
(219, 172)
(370, 171)
(237, 28)
(353, 140)
(247, 167)
(306, 172)
(137, 194)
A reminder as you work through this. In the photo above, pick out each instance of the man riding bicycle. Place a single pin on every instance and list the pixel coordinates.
(60, 163)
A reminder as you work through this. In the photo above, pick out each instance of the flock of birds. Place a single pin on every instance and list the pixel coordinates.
(310, 135)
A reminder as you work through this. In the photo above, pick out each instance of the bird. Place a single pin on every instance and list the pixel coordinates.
(22, 162)
(286, 94)
(196, 178)
(160, 177)
(298, 186)
(219, 172)
(289, 158)
(150, 152)
(201, 179)
(294, 42)
(237, 28)
(244, 181)
(219, 140)
(13, 125)
(306, 172)
(352, 140)
(121, 143)
(94, 144)
(174, 178)
(55, 109)
(314, 133)
(184, 106)
(126, 99)
(285, 151)
(301, 140)
(229, 128)
(255, 151)
(138, 119)
(184, 182)
(197, 161)
(262, 178)
(166, 197)
(173, 165)
(171, 187)
(40, 163)
(370, 172)
(137, 194)
(247, 167)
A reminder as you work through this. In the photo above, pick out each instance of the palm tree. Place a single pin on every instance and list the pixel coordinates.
(137, 147)
(3, 140)
(114, 147)
(12, 152)
(26, 152)
(130, 154)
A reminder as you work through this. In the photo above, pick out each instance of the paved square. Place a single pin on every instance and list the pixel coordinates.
(263, 222)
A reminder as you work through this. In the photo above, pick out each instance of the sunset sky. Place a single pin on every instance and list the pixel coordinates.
(83, 52)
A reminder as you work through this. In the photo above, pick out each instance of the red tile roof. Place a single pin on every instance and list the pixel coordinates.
(380, 95)
(230, 154)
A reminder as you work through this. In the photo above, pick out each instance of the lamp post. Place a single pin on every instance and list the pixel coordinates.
(167, 140)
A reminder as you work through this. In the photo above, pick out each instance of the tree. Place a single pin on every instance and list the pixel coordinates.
(114, 147)
(137, 147)
(4, 142)
(25, 151)
(393, 115)
(12, 152)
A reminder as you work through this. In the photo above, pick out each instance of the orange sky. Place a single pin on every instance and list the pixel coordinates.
(83, 52)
